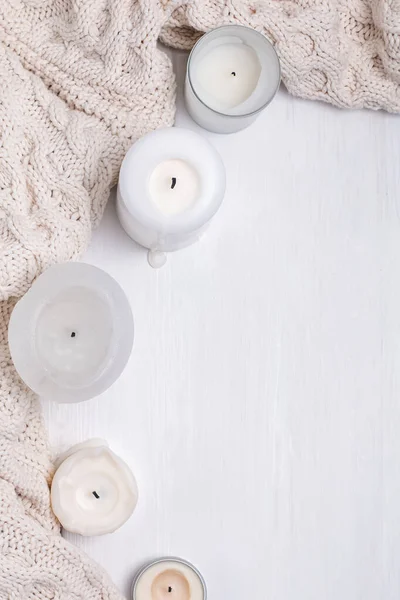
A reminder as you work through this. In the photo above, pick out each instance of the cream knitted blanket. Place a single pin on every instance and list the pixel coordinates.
(80, 81)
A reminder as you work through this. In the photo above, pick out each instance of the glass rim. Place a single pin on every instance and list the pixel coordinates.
(254, 32)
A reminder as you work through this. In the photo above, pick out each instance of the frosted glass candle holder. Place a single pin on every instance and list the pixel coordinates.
(71, 335)
(232, 74)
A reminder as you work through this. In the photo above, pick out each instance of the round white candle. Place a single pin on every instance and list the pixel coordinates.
(71, 335)
(169, 579)
(93, 491)
(171, 184)
(233, 73)
(173, 194)
(227, 75)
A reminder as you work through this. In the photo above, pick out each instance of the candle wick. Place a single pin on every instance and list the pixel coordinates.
(173, 183)
(170, 589)
(95, 494)
(73, 334)
(233, 73)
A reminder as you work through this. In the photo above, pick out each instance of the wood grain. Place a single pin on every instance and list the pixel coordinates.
(260, 408)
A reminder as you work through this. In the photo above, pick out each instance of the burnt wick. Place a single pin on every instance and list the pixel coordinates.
(173, 183)
(170, 589)
(95, 494)
(73, 334)
(233, 73)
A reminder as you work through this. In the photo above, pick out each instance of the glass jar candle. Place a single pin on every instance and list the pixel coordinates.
(169, 579)
(232, 74)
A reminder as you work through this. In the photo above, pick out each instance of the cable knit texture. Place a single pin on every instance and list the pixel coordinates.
(81, 81)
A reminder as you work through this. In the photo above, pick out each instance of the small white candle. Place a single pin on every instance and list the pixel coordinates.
(233, 72)
(71, 335)
(93, 491)
(169, 579)
(171, 184)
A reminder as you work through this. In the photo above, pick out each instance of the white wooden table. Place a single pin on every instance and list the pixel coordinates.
(260, 409)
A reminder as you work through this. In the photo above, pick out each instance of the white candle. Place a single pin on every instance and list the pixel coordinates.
(93, 491)
(171, 184)
(71, 335)
(174, 186)
(227, 75)
(169, 579)
(233, 73)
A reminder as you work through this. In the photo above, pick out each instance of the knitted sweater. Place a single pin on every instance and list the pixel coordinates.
(81, 80)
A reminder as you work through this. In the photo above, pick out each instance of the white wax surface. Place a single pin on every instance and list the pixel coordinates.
(174, 186)
(169, 580)
(226, 75)
(93, 491)
(73, 334)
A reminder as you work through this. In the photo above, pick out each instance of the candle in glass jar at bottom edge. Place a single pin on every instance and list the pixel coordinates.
(169, 579)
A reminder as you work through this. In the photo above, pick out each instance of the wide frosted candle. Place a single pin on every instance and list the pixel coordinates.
(171, 184)
(169, 579)
(233, 73)
(71, 335)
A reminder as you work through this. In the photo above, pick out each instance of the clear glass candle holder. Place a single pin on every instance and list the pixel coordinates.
(169, 577)
(233, 73)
